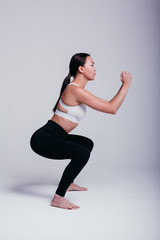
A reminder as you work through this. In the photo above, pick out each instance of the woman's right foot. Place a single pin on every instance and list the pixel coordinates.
(61, 202)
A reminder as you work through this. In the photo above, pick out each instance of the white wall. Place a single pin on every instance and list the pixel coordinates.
(37, 41)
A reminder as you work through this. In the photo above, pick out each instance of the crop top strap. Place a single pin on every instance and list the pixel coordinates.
(62, 103)
(73, 84)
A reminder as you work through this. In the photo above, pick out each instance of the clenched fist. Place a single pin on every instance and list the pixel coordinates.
(126, 77)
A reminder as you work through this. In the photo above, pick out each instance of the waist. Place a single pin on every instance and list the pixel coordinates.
(66, 116)
(66, 124)
(52, 125)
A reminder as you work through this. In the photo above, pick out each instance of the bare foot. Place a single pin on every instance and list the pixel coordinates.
(61, 202)
(75, 187)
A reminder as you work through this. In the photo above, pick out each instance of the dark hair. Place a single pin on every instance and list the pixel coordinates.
(77, 60)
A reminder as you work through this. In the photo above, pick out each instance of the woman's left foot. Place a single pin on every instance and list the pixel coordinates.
(75, 187)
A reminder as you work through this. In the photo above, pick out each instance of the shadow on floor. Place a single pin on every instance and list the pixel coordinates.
(35, 188)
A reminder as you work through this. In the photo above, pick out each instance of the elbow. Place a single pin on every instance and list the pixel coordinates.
(113, 108)
(114, 111)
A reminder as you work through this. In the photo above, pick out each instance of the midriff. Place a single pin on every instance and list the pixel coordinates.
(66, 124)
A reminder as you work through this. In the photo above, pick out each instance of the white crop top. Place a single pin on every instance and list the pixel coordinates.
(75, 113)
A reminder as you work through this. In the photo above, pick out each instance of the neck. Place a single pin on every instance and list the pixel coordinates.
(80, 80)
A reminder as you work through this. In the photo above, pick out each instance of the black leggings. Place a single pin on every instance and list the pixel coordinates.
(52, 141)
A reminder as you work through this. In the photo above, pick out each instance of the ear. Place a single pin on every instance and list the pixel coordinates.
(80, 69)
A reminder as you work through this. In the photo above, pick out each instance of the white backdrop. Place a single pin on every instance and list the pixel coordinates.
(37, 41)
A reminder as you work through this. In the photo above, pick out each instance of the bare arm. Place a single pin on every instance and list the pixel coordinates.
(118, 99)
(99, 104)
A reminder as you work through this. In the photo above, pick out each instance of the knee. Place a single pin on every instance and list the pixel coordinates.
(90, 144)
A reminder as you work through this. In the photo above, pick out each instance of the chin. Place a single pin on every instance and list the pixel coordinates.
(91, 79)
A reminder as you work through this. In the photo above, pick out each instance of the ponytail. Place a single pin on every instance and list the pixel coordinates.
(64, 85)
(77, 60)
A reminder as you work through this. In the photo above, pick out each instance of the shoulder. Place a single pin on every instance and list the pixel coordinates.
(82, 95)
(75, 90)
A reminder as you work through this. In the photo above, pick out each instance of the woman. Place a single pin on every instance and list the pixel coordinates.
(53, 139)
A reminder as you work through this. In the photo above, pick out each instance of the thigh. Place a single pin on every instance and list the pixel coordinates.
(48, 146)
(81, 140)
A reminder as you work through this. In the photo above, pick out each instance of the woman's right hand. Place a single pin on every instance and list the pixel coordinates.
(126, 77)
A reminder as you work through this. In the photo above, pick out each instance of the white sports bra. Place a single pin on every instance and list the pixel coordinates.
(75, 113)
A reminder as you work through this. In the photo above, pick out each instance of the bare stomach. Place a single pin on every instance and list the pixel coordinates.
(66, 124)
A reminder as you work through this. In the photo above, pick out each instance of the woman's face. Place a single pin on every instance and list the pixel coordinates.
(89, 70)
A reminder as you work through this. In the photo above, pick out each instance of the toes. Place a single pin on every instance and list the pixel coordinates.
(73, 207)
(70, 208)
(84, 189)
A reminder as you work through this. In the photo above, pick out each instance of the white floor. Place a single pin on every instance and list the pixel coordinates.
(121, 205)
